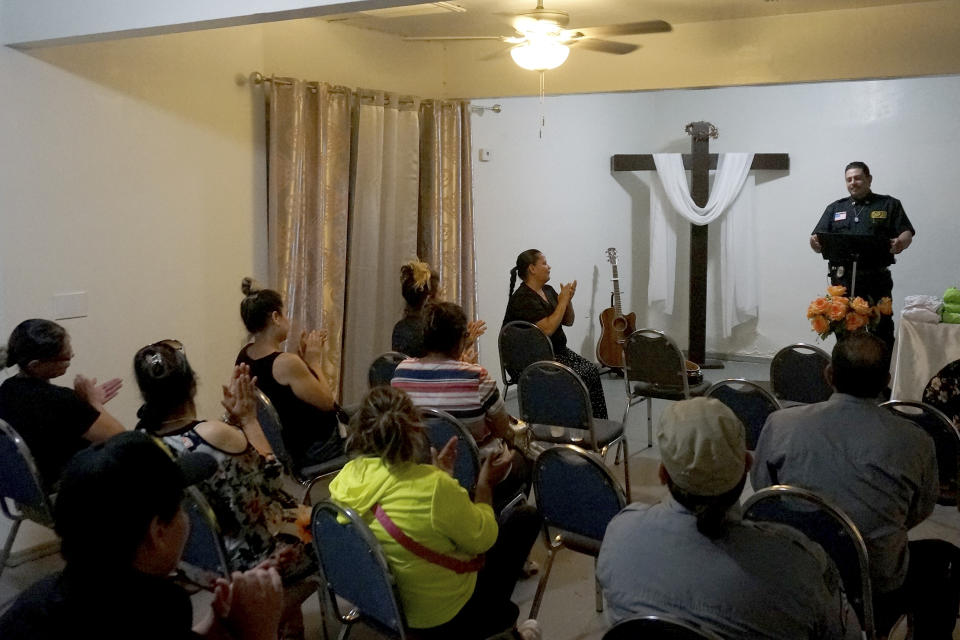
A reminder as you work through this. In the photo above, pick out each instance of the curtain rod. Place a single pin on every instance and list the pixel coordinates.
(258, 78)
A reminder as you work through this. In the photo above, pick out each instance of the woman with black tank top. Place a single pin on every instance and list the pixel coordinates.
(294, 382)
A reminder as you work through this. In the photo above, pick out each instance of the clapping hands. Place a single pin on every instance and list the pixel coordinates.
(238, 396)
(96, 395)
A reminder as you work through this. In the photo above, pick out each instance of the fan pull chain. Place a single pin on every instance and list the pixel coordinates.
(543, 120)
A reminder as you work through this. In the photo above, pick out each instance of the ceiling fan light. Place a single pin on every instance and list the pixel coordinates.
(540, 55)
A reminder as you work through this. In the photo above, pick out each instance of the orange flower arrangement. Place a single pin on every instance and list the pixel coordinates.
(835, 313)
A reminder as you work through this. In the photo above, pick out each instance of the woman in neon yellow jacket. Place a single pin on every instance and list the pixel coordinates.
(443, 591)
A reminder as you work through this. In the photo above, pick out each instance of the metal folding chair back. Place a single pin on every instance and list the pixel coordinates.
(946, 439)
(796, 374)
(550, 393)
(654, 367)
(273, 430)
(653, 358)
(354, 567)
(657, 628)
(555, 402)
(204, 557)
(521, 344)
(829, 527)
(749, 401)
(21, 487)
(441, 426)
(382, 369)
(577, 497)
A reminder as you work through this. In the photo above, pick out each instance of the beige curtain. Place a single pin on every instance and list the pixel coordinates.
(383, 228)
(308, 198)
(360, 182)
(446, 234)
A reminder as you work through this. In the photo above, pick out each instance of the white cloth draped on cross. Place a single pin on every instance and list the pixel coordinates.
(738, 252)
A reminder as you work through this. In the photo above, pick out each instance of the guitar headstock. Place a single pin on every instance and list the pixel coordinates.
(612, 255)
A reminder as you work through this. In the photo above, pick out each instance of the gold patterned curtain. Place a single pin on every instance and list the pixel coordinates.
(446, 235)
(308, 202)
(360, 182)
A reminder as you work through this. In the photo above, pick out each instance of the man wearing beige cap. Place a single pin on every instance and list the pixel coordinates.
(690, 556)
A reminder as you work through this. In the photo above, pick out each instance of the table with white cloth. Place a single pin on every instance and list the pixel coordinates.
(923, 348)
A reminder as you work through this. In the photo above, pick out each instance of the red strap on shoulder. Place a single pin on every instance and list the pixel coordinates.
(447, 562)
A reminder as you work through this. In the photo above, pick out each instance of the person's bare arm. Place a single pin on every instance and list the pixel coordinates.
(815, 243)
(105, 426)
(901, 242)
(499, 424)
(308, 385)
(494, 470)
(568, 315)
(550, 324)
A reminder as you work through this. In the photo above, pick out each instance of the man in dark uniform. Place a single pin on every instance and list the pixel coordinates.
(866, 213)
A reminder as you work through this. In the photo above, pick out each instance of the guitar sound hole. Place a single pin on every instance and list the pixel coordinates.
(619, 324)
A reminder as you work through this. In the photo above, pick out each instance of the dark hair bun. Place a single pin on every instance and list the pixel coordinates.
(248, 285)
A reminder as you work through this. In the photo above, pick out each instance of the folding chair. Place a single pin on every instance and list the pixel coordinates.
(308, 475)
(204, 557)
(441, 426)
(796, 374)
(655, 366)
(657, 628)
(829, 527)
(555, 402)
(353, 567)
(750, 402)
(577, 497)
(20, 484)
(381, 370)
(946, 439)
(521, 344)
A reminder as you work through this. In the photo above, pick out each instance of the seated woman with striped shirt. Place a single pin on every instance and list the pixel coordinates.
(443, 380)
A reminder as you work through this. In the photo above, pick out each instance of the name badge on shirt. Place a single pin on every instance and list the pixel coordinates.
(878, 215)
(839, 215)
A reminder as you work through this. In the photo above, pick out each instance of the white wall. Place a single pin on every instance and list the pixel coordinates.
(559, 195)
(133, 171)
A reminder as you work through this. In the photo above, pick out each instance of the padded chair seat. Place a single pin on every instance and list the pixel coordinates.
(325, 467)
(607, 431)
(653, 391)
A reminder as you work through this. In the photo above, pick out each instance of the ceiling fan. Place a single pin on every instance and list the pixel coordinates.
(541, 40)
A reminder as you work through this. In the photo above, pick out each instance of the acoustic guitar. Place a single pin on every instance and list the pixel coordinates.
(615, 326)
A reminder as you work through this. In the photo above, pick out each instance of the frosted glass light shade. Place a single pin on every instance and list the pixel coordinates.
(540, 55)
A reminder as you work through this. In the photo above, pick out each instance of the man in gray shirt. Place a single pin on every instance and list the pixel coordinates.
(692, 557)
(881, 471)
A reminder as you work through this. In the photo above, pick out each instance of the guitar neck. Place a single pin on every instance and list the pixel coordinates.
(616, 291)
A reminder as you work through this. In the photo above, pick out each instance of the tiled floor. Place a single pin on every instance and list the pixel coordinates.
(568, 609)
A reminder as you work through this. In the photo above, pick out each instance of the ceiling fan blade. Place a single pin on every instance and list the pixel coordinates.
(427, 38)
(499, 53)
(627, 28)
(605, 46)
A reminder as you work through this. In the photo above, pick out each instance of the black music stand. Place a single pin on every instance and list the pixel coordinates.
(853, 248)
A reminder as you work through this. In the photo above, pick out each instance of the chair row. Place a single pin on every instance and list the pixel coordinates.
(577, 497)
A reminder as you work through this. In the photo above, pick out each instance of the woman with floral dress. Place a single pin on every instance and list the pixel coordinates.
(259, 521)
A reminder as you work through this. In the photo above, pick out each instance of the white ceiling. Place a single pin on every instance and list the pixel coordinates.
(493, 17)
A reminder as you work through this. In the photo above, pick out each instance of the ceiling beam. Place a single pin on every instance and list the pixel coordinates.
(26, 24)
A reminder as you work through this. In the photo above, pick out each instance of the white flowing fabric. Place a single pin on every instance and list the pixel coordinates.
(738, 245)
(383, 231)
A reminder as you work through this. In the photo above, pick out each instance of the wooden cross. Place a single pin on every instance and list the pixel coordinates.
(699, 162)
